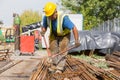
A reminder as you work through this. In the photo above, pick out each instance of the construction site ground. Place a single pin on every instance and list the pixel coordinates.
(21, 67)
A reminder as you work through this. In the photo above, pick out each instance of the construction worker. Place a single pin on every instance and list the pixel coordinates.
(60, 28)
(1, 36)
(16, 25)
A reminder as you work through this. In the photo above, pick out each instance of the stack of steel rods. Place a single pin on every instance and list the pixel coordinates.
(40, 73)
(75, 69)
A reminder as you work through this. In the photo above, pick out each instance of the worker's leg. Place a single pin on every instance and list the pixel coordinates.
(55, 50)
(63, 45)
(59, 61)
(17, 37)
(53, 46)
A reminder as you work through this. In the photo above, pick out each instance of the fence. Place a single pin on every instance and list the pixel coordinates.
(109, 26)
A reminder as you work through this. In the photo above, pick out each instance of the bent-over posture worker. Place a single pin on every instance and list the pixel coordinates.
(60, 28)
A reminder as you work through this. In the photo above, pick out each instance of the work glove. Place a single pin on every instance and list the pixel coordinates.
(42, 33)
(49, 60)
(77, 43)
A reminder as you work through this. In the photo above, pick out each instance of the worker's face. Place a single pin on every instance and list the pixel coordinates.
(53, 16)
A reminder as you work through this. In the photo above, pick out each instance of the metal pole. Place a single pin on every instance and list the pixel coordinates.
(48, 51)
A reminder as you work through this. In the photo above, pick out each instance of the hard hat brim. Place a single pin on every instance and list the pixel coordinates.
(49, 8)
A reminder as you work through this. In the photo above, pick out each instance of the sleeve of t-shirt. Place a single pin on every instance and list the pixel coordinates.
(67, 23)
(45, 22)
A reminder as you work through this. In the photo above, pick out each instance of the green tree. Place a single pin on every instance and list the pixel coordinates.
(29, 17)
(94, 11)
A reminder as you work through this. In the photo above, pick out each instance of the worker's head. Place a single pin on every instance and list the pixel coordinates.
(50, 9)
(14, 14)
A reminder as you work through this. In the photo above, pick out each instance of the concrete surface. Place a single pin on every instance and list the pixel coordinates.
(24, 69)
(26, 56)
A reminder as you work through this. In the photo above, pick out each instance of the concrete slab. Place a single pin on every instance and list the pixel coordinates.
(24, 69)
(21, 71)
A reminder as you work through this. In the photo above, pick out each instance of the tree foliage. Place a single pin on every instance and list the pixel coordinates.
(94, 11)
(29, 17)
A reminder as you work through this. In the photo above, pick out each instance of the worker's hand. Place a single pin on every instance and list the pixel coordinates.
(77, 43)
(49, 60)
(42, 33)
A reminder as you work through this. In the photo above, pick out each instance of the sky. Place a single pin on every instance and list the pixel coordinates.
(8, 7)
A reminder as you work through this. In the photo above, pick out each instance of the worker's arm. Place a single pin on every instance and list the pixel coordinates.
(44, 27)
(67, 23)
(76, 36)
(43, 30)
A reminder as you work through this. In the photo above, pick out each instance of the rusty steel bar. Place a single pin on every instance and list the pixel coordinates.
(48, 51)
(75, 69)
(35, 74)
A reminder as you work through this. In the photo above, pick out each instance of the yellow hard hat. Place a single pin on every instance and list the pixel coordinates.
(49, 8)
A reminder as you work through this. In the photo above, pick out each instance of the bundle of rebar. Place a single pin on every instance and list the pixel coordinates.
(75, 69)
(113, 61)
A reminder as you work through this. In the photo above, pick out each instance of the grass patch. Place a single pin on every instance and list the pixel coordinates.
(102, 65)
(97, 56)
(95, 60)
(84, 57)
